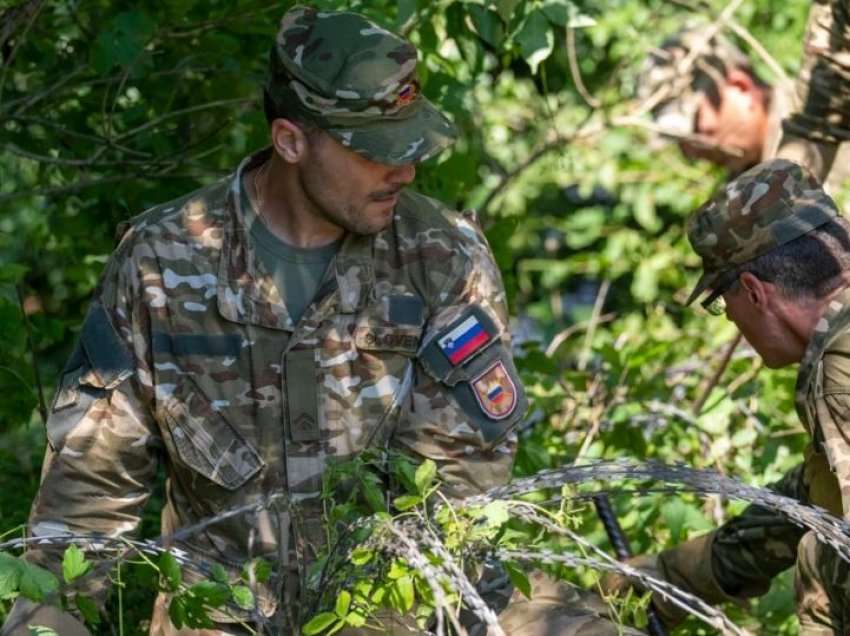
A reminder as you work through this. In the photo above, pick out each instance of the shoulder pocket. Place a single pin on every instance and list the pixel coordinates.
(99, 363)
(205, 441)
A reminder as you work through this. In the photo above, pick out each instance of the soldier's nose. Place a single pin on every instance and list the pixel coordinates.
(402, 175)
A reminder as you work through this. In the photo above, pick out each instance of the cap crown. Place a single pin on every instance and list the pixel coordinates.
(340, 66)
(765, 207)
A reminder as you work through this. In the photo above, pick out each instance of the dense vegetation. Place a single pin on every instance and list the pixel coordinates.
(110, 107)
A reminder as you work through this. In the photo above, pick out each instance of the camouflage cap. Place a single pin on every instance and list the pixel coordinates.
(357, 81)
(765, 207)
(662, 70)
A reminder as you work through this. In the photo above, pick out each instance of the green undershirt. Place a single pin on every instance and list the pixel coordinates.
(296, 271)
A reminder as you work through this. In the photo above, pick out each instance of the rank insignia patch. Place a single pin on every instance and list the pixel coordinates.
(464, 340)
(495, 391)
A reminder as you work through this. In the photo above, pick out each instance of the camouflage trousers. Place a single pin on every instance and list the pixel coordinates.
(554, 609)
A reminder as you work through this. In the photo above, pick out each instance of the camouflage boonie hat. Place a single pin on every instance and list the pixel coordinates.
(357, 81)
(767, 206)
(715, 56)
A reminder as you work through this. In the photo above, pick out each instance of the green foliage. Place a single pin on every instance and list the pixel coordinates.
(109, 108)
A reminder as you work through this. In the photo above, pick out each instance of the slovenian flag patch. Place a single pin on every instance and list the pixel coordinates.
(464, 340)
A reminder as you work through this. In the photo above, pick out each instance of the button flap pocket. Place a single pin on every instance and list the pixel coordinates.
(206, 441)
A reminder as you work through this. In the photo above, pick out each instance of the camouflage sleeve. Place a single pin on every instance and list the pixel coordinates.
(466, 396)
(749, 550)
(822, 90)
(101, 457)
(833, 432)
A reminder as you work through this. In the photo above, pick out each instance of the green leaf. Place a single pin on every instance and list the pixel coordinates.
(243, 597)
(680, 516)
(177, 611)
(487, 24)
(170, 570)
(518, 578)
(10, 575)
(402, 593)
(397, 570)
(506, 8)
(343, 603)
(262, 570)
(319, 623)
(211, 593)
(373, 495)
(356, 619)
(41, 630)
(535, 38)
(88, 609)
(219, 574)
(37, 583)
(405, 502)
(361, 556)
(74, 563)
(425, 475)
(496, 513)
(563, 13)
(404, 471)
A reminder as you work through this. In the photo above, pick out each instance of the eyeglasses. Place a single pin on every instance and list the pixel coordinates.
(714, 303)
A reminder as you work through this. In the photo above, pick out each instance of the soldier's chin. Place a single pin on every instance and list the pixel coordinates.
(373, 224)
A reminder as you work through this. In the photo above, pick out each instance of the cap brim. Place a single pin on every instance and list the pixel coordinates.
(705, 282)
(412, 139)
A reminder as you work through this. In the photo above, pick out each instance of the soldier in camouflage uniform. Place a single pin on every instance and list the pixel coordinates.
(815, 133)
(720, 110)
(775, 250)
(201, 349)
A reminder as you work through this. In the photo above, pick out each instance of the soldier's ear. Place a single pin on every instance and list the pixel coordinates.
(755, 289)
(289, 140)
(740, 79)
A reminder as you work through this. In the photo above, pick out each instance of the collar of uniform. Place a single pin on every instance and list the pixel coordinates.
(833, 322)
(355, 272)
(246, 294)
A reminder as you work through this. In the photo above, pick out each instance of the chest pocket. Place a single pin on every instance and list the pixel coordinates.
(367, 367)
(201, 440)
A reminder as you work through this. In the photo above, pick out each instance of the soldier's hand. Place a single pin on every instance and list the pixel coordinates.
(616, 584)
(688, 566)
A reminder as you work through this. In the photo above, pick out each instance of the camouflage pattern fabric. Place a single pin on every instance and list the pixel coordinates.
(356, 81)
(822, 89)
(765, 207)
(821, 119)
(802, 151)
(188, 353)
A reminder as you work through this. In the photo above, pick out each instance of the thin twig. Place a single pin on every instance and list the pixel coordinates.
(601, 295)
(716, 376)
(42, 404)
(575, 71)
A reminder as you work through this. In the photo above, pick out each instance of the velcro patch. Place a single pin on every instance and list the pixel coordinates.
(495, 391)
(464, 340)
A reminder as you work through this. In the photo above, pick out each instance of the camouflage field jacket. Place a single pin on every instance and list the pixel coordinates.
(189, 356)
(752, 548)
(821, 118)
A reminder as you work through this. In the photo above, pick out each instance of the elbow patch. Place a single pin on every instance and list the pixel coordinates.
(469, 358)
(100, 362)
